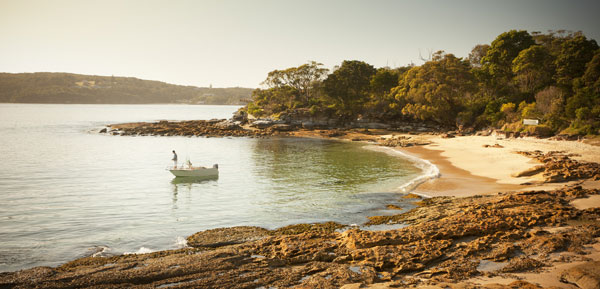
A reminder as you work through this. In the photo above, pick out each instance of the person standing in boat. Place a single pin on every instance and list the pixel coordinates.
(174, 159)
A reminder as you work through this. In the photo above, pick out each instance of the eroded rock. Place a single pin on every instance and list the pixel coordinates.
(585, 276)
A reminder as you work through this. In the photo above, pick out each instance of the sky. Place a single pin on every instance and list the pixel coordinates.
(227, 43)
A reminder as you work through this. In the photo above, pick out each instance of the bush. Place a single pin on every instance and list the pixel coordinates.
(539, 130)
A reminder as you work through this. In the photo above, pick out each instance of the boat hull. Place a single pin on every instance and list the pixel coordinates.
(196, 172)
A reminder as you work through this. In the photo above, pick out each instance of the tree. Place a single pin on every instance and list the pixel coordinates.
(574, 55)
(533, 69)
(477, 54)
(497, 62)
(347, 87)
(591, 77)
(303, 78)
(384, 80)
(435, 90)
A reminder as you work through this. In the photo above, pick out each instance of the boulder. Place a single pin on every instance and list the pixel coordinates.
(240, 116)
(263, 123)
(227, 125)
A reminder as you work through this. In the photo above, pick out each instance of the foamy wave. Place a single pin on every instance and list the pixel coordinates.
(142, 250)
(181, 242)
(430, 171)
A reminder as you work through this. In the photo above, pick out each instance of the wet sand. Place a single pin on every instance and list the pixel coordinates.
(454, 181)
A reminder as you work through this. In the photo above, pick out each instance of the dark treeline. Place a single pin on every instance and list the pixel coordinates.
(45, 87)
(552, 77)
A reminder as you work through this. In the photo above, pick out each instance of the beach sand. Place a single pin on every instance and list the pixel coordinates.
(467, 167)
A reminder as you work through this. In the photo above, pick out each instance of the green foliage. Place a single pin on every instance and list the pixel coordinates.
(304, 79)
(266, 102)
(434, 91)
(528, 110)
(504, 49)
(347, 87)
(591, 76)
(492, 113)
(533, 69)
(575, 53)
(477, 54)
(553, 77)
(292, 88)
(384, 80)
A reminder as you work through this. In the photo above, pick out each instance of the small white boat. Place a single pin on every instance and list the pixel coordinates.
(190, 171)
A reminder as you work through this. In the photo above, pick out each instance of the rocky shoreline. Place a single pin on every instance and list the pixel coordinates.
(447, 242)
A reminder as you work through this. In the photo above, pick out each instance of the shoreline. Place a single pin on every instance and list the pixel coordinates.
(453, 181)
(460, 214)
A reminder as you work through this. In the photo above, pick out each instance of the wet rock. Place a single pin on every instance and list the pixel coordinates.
(104, 130)
(226, 236)
(411, 196)
(327, 227)
(210, 128)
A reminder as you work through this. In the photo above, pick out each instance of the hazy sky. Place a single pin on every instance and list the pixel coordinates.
(236, 43)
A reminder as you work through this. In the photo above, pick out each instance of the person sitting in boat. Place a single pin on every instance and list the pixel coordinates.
(189, 164)
(174, 159)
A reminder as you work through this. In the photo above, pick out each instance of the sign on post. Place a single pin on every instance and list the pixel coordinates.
(530, 121)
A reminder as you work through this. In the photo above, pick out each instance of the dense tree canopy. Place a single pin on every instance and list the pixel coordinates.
(303, 79)
(574, 55)
(533, 69)
(554, 77)
(348, 86)
(503, 50)
(434, 91)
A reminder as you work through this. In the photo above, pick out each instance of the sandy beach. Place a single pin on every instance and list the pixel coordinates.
(471, 165)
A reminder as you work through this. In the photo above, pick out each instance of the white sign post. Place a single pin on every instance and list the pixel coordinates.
(531, 121)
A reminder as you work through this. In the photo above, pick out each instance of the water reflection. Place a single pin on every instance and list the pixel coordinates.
(193, 180)
(187, 184)
(321, 165)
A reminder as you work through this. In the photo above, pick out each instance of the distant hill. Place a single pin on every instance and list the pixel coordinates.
(46, 87)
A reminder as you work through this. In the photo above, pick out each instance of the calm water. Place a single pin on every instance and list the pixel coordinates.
(67, 191)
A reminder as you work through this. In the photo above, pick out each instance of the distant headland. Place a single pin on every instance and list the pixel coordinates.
(48, 87)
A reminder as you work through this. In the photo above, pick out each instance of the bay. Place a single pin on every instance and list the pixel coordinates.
(67, 191)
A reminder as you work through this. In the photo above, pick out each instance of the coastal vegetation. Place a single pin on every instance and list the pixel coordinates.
(552, 77)
(45, 87)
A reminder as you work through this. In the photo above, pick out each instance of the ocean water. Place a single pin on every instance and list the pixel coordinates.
(67, 191)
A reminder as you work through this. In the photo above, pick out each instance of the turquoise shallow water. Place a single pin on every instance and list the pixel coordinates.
(67, 191)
